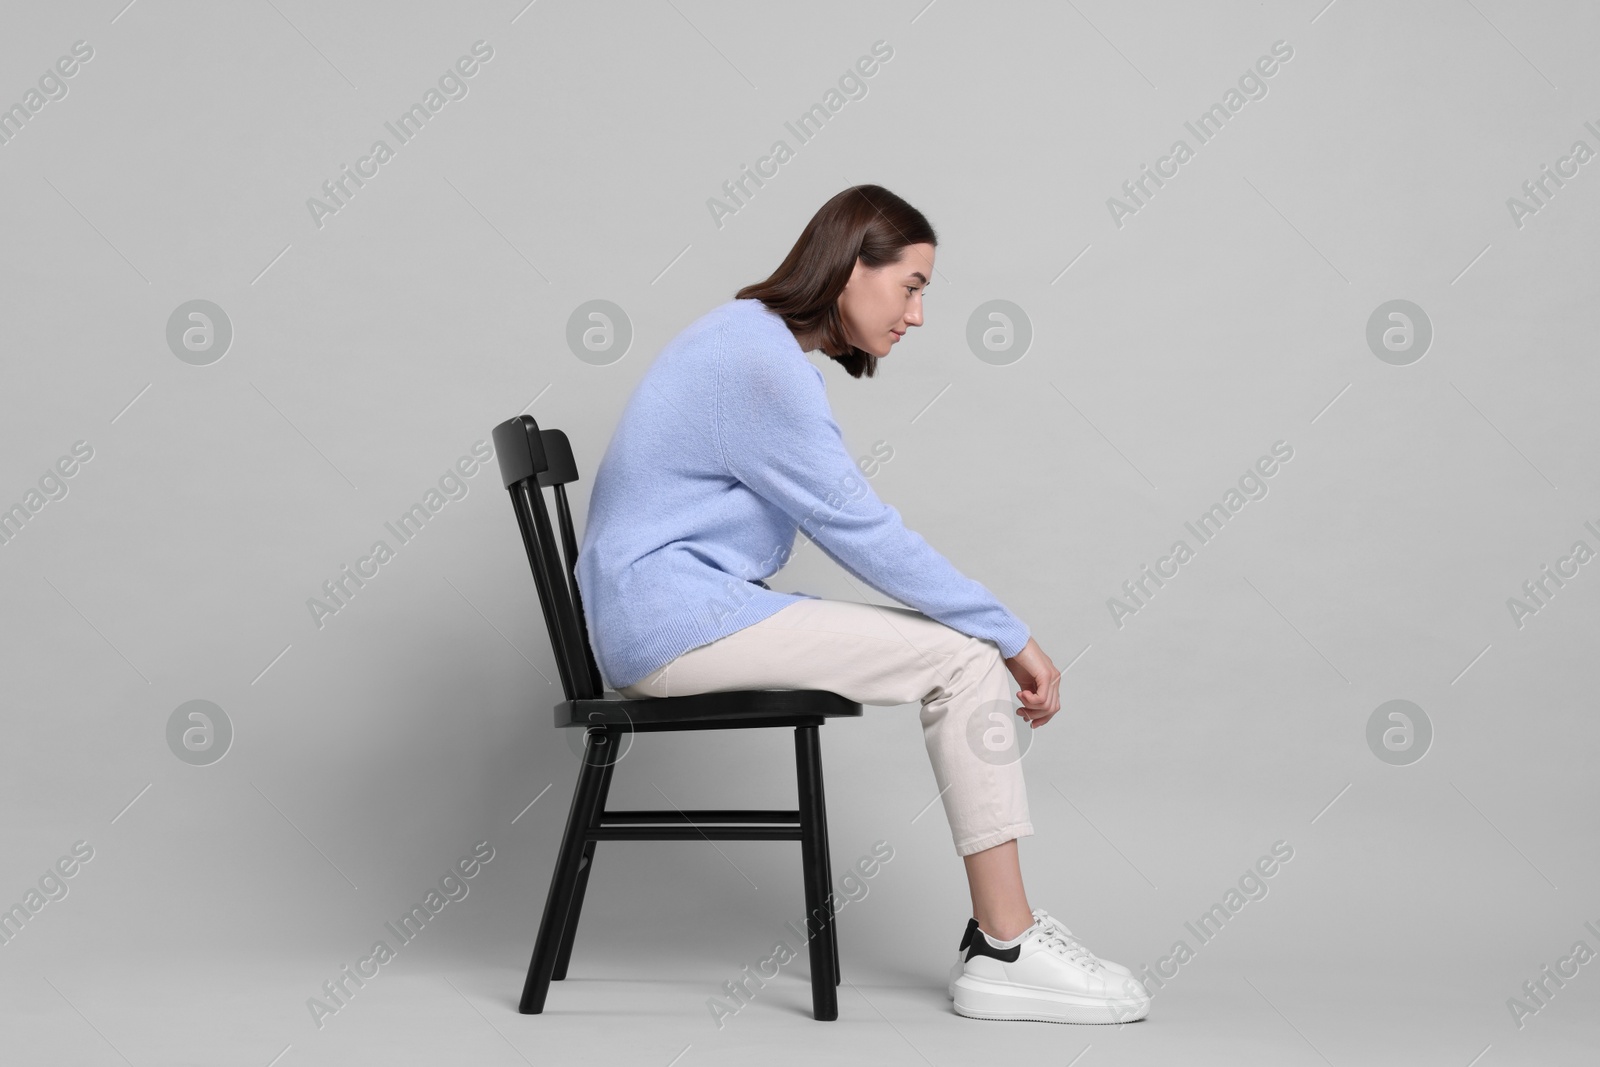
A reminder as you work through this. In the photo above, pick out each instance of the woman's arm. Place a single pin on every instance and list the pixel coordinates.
(777, 435)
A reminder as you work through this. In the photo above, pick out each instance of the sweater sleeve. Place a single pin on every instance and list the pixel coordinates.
(777, 435)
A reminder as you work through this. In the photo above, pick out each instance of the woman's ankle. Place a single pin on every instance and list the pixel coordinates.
(1004, 927)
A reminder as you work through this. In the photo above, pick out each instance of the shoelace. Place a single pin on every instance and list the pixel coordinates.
(1054, 931)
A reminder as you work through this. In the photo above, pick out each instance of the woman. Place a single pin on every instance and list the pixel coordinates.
(725, 450)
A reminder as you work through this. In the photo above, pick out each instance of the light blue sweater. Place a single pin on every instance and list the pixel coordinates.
(725, 449)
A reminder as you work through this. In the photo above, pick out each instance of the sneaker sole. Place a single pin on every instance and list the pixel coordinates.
(976, 998)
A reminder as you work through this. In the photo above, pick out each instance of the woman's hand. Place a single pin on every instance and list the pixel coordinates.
(1040, 681)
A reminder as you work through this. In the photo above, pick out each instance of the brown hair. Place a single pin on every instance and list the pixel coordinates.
(865, 222)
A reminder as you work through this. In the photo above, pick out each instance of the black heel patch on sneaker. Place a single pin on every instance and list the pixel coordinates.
(981, 947)
(966, 938)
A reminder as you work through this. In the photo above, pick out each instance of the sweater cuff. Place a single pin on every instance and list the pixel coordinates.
(1013, 640)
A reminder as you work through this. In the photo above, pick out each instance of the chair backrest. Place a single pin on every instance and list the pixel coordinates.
(531, 461)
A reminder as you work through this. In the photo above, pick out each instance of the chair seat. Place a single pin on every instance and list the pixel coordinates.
(727, 708)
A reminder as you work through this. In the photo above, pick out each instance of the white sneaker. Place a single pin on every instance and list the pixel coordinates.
(1039, 915)
(1045, 976)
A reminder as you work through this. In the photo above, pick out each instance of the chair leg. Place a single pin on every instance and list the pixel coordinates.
(813, 860)
(570, 932)
(599, 752)
(827, 865)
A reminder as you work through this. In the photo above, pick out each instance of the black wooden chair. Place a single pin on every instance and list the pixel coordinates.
(532, 460)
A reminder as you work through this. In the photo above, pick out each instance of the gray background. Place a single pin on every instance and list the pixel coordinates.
(1168, 354)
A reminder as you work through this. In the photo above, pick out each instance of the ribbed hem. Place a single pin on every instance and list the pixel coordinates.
(1013, 640)
(651, 649)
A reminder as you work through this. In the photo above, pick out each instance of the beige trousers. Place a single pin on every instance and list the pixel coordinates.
(886, 656)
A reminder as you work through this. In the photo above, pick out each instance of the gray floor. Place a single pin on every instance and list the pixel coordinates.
(436, 1009)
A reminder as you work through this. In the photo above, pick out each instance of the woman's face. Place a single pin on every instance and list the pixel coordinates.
(879, 304)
